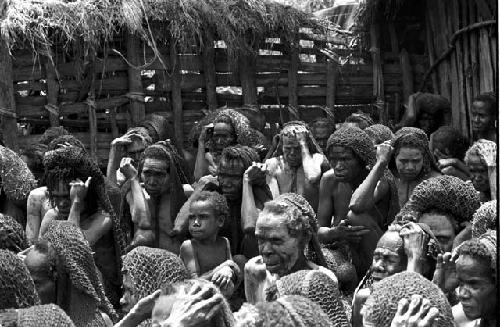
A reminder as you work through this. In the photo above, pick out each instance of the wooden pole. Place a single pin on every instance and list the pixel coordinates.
(176, 95)
(406, 72)
(247, 77)
(467, 69)
(136, 92)
(331, 84)
(394, 37)
(474, 55)
(432, 57)
(91, 102)
(52, 92)
(293, 84)
(8, 117)
(208, 57)
(378, 78)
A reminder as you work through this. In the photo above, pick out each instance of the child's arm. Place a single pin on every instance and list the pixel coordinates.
(187, 256)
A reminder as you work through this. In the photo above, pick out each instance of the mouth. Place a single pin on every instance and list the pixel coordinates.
(378, 277)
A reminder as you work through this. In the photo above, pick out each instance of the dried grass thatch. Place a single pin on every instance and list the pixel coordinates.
(241, 24)
(38, 23)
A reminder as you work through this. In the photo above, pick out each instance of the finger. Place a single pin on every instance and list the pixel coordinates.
(342, 223)
(439, 260)
(156, 294)
(414, 304)
(357, 228)
(216, 306)
(424, 307)
(446, 257)
(87, 182)
(402, 307)
(196, 288)
(430, 317)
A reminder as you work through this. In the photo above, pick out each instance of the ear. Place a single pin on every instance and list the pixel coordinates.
(220, 220)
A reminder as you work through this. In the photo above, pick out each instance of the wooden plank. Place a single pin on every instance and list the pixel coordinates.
(137, 109)
(176, 95)
(27, 73)
(30, 86)
(92, 105)
(474, 50)
(8, 118)
(431, 52)
(485, 66)
(467, 68)
(52, 92)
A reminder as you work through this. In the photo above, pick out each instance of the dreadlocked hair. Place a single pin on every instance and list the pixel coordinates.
(290, 129)
(447, 137)
(17, 289)
(165, 151)
(141, 133)
(12, 236)
(63, 139)
(412, 137)
(300, 220)
(245, 154)
(218, 201)
(355, 139)
(52, 133)
(70, 163)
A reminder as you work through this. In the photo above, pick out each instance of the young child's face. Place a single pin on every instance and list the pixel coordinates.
(203, 222)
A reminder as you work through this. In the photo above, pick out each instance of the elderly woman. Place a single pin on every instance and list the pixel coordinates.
(284, 228)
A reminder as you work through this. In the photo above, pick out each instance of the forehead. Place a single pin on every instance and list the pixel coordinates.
(270, 223)
(475, 159)
(409, 153)
(468, 266)
(341, 151)
(136, 145)
(231, 167)
(61, 187)
(154, 164)
(223, 128)
(390, 241)
(437, 222)
(480, 107)
(290, 141)
(202, 206)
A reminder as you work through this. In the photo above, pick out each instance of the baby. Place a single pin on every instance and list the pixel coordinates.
(208, 255)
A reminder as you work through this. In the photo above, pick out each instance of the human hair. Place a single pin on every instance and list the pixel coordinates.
(479, 251)
(218, 201)
(490, 100)
(362, 119)
(355, 139)
(52, 133)
(451, 139)
(63, 139)
(480, 148)
(245, 154)
(442, 212)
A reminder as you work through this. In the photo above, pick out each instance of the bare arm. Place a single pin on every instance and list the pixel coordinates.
(325, 207)
(201, 163)
(99, 224)
(492, 174)
(410, 114)
(372, 189)
(115, 155)
(271, 180)
(312, 168)
(187, 256)
(249, 211)
(34, 219)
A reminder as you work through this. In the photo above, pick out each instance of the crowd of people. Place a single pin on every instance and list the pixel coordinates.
(347, 224)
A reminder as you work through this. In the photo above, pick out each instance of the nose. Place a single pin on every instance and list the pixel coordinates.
(266, 249)
(378, 265)
(123, 301)
(338, 165)
(463, 293)
(196, 222)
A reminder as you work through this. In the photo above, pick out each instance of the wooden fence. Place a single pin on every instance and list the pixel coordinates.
(98, 97)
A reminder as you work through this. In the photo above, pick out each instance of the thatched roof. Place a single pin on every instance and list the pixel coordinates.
(239, 23)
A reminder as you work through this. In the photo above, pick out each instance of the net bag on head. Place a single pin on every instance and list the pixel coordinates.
(17, 289)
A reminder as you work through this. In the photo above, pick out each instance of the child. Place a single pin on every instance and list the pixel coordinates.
(208, 255)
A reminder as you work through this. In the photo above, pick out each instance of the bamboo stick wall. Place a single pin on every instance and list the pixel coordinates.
(465, 29)
(106, 95)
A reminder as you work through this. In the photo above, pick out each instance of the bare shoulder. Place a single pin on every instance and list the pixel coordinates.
(38, 193)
